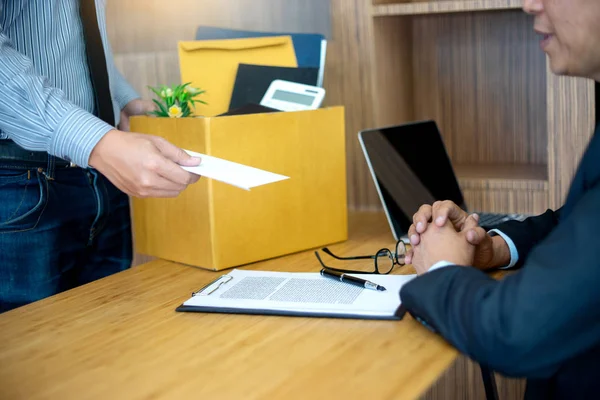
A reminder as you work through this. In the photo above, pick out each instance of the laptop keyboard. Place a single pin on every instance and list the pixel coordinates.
(491, 219)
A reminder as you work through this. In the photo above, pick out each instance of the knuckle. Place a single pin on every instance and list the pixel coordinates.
(151, 164)
(145, 183)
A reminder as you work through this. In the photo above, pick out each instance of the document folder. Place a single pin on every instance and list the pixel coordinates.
(298, 294)
(310, 48)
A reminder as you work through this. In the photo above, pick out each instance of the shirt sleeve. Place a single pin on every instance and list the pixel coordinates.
(514, 253)
(439, 265)
(39, 117)
(123, 92)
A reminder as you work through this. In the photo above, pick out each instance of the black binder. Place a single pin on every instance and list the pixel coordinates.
(253, 81)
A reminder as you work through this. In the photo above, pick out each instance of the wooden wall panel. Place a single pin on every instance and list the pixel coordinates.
(571, 121)
(393, 73)
(348, 80)
(149, 69)
(156, 25)
(482, 77)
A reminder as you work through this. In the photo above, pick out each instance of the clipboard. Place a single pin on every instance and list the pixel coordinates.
(223, 296)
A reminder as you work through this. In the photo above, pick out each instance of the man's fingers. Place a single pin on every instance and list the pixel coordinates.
(195, 178)
(124, 122)
(471, 222)
(413, 235)
(422, 217)
(175, 154)
(476, 236)
(158, 193)
(158, 183)
(408, 257)
(448, 210)
(156, 165)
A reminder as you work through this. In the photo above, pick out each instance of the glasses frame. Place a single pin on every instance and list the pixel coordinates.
(384, 251)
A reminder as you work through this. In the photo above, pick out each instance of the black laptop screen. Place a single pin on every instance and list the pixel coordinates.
(411, 167)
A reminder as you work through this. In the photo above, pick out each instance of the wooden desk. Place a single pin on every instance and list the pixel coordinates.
(120, 338)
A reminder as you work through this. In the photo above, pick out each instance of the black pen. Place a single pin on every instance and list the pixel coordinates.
(340, 276)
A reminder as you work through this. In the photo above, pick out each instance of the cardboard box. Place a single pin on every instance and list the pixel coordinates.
(217, 226)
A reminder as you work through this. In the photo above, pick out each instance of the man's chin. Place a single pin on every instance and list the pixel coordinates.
(558, 68)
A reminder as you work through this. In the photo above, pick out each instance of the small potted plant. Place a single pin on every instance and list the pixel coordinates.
(177, 101)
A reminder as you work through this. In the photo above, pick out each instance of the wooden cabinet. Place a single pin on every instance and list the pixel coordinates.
(514, 131)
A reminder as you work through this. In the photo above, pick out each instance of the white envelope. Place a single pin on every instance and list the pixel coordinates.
(239, 175)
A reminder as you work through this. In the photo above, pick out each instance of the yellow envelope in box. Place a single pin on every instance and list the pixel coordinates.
(212, 65)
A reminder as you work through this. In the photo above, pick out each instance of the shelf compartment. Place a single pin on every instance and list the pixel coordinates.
(503, 176)
(444, 6)
(504, 188)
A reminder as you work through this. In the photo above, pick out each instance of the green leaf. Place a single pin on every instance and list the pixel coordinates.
(156, 91)
(161, 106)
(176, 92)
(159, 114)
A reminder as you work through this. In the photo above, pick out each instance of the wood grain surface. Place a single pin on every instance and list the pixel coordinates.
(120, 338)
(385, 8)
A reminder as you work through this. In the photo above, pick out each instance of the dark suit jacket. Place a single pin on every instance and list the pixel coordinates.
(542, 322)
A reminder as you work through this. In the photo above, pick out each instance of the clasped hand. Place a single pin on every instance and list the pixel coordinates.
(445, 232)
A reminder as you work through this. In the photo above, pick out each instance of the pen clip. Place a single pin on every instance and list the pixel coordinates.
(216, 283)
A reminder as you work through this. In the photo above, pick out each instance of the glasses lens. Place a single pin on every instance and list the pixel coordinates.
(400, 252)
(384, 261)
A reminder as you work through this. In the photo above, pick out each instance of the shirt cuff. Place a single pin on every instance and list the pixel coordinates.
(440, 264)
(514, 254)
(125, 95)
(77, 135)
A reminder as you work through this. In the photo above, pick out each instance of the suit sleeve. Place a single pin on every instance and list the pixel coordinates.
(529, 323)
(526, 234)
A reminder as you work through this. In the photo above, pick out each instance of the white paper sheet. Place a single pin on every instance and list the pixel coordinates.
(302, 292)
(239, 175)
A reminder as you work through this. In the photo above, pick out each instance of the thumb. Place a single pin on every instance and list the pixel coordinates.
(473, 232)
(176, 154)
(471, 222)
(476, 236)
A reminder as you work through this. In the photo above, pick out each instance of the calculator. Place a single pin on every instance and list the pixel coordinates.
(291, 96)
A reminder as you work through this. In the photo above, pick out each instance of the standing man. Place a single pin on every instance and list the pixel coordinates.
(65, 170)
(542, 322)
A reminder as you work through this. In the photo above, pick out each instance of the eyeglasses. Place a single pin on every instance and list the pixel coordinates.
(384, 260)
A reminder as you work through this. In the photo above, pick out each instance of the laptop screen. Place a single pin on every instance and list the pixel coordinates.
(411, 167)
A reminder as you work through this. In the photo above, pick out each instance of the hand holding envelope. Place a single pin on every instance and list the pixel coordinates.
(239, 175)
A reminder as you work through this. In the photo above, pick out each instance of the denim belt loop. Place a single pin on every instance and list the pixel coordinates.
(50, 168)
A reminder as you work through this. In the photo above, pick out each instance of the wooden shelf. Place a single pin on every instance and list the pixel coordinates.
(505, 188)
(503, 177)
(443, 6)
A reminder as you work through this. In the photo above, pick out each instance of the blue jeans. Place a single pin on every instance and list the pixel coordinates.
(59, 228)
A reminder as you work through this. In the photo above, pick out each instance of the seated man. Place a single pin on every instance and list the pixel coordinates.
(542, 322)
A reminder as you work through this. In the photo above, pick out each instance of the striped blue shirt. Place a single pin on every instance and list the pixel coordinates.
(46, 97)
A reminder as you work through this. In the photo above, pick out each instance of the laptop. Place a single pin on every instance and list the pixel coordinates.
(411, 167)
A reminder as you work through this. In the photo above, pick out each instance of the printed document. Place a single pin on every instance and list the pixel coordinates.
(300, 293)
(239, 175)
